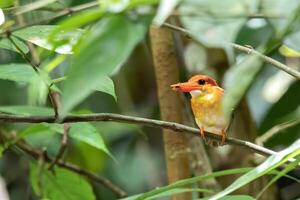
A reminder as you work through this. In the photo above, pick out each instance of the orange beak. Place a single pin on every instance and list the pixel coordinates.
(185, 87)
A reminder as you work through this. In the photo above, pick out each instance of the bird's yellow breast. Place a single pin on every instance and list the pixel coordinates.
(207, 107)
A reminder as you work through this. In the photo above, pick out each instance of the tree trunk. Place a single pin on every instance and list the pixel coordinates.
(166, 72)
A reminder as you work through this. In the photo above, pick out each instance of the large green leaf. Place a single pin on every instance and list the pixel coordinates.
(211, 24)
(74, 22)
(290, 166)
(17, 72)
(61, 185)
(87, 133)
(101, 51)
(26, 110)
(82, 131)
(39, 34)
(241, 77)
(38, 82)
(270, 164)
(276, 9)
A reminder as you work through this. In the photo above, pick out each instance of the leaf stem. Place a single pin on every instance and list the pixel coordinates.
(62, 148)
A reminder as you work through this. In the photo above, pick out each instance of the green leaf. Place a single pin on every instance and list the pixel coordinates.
(164, 10)
(82, 131)
(189, 181)
(26, 110)
(283, 172)
(241, 77)
(118, 6)
(172, 192)
(213, 24)
(237, 197)
(270, 164)
(102, 51)
(41, 136)
(277, 8)
(17, 72)
(37, 90)
(87, 133)
(107, 86)
(39, 34)
(33, 6)
(6, 3)
(40, 129)
(33, 130)
(179, 191)
(73, 23)
(61, 185)
(6, 44)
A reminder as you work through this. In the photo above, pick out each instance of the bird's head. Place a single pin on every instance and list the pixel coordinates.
(195, 84)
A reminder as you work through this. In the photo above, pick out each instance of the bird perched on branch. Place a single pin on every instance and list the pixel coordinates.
(206, 103)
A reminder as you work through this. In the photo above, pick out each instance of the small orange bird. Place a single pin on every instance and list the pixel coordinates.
(206, 104)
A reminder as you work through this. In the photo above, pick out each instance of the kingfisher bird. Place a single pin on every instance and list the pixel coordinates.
(206, 103)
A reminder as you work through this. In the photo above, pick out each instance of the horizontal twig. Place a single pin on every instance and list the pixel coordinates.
(245, 49)
(133, 120)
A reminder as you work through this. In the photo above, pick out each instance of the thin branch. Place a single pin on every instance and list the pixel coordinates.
(205, 14)
(23, 54)
(6, 118)
(245, 49)
(267, 59)
(276, 130)
(53, 96)
(62, 148)
(64, 12)
(55, 101)
(41, 167)
(69, 166)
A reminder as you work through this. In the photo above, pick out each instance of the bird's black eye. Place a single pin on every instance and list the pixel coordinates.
(201, 82)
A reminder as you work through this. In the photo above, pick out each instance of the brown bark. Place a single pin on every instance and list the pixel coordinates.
(166, 72)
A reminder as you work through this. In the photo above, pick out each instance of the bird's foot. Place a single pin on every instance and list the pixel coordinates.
(202, 133)
(223, 134)
(212, 142)
(203, 136)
